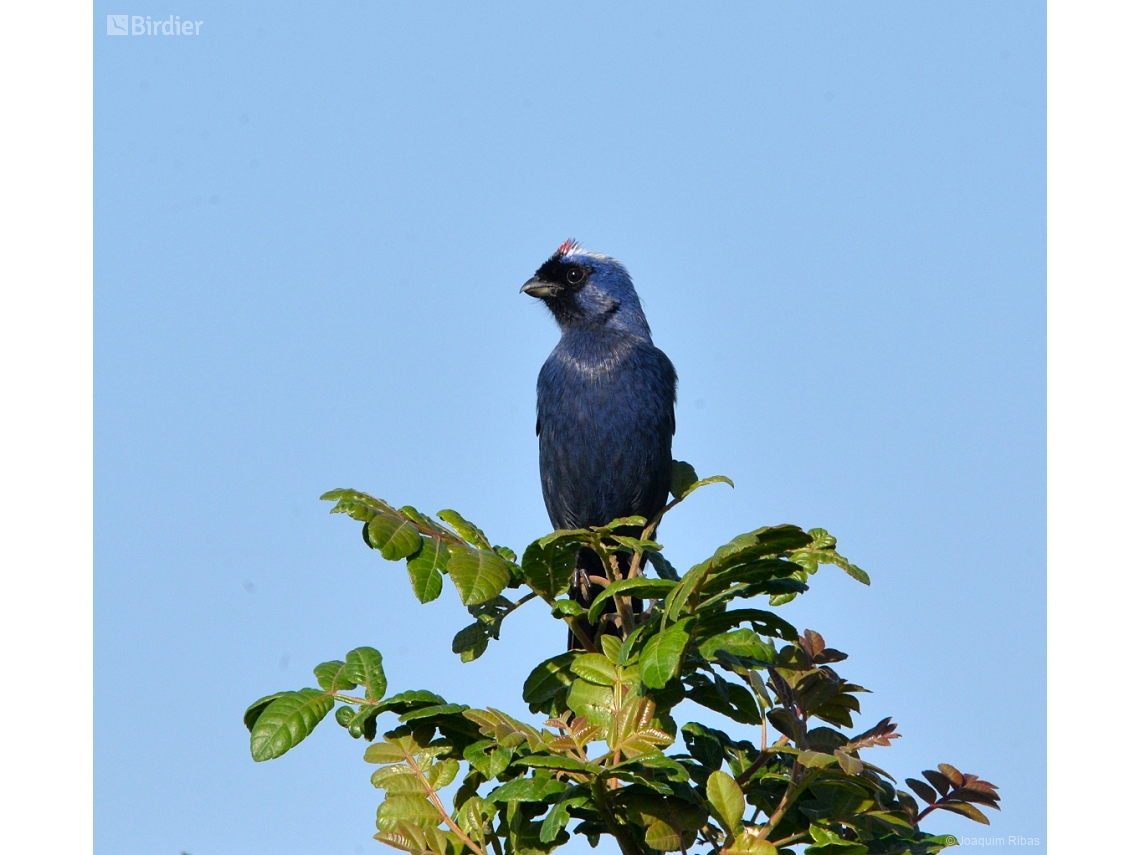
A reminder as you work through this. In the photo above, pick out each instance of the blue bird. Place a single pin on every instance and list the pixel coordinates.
(606, 401)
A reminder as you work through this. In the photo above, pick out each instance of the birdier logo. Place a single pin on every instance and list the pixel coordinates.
(142, 25)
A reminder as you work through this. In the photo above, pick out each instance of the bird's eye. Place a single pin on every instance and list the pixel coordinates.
(574, 275)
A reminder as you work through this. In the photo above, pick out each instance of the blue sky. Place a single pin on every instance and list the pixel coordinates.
(310, 231)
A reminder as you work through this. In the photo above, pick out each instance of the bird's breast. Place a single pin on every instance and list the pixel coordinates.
(593, 357)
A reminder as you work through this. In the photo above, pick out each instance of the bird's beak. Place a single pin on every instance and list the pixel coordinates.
(538, 288)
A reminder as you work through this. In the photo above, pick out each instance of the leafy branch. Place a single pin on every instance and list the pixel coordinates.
(599, 757)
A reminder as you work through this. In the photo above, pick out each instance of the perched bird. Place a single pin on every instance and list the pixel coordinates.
(606, 401)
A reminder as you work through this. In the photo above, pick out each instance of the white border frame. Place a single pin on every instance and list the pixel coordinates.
(46, 360)
(1094, 294)
(46, 429)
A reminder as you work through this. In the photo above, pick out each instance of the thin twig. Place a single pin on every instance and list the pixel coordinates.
(434, 799)
(790, 795)
(788, 841)
(520, 602)
(622, 602)
(587, 644)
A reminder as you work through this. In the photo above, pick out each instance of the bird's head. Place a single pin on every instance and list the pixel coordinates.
(583, 288)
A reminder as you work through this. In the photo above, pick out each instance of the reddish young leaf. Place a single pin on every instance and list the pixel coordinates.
(967, 810)
(925, 793)
(953, 774)
(812, 643)
(940, 781)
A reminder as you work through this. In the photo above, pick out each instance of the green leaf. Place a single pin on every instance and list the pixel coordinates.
(425, 569)
(634, 544)
(478, 574)
(781, 538)
(678, 600)
(364, 666)
(331, 677)
(664, 569)
(741, 643)
(468, 531)
(661, 656)
(385, 752)
(704, 482)
(748, 843)
(442, 773)
(506, 553)
(595, 703)
(433, 712)
(527, 790)
(663, 837)
(360, 506)
(655, 759)
(362, 723)
(488, 763)
(566, 536)
(630, 648)
(595, 668)
(684, 477)
(763, 622)
(620, 522)
(559, 815)
(398, 779)
(649, 589)
(287, 721)
(850, 765)
(548, 679)
(816, 759)
(470, 642)
(611, 648)
(855, 572)
(739, 706)
(558, 761)
(566, 608)
(254, 711)
(416, 810)
(726, 799)
(394, 536)
(841, 847)
(750, 572)
(410, 700)
(549, 569)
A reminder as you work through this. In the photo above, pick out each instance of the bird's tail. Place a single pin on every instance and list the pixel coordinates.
(583, 591)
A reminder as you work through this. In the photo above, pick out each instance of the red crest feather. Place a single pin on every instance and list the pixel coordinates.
(567, 246)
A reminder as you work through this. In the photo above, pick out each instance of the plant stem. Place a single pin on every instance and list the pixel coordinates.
(622, 602)
(929, 810)
(788, 841)
(434, 799)
(647, 532)
(790, 795)
(587, 645)
(763, 757)
(520, 602)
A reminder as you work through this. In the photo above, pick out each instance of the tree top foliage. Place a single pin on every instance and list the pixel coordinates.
(606, 752)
